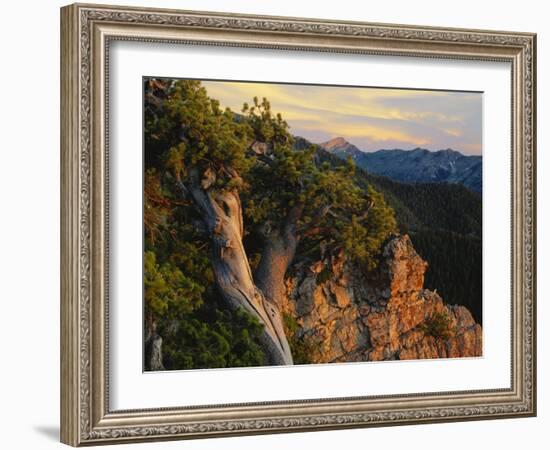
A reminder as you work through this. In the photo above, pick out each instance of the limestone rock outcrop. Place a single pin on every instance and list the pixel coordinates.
(384, 315)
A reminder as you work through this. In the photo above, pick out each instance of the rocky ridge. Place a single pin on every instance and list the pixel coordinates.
(385, 315)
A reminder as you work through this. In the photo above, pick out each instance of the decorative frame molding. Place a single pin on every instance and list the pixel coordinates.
(86, 31)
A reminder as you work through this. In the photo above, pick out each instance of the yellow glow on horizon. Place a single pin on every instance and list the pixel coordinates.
(378, 134)
(410, 117)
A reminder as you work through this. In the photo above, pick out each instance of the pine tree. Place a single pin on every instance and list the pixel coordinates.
(226, 193)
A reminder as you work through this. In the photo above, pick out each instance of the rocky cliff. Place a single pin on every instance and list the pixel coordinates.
(385, 315)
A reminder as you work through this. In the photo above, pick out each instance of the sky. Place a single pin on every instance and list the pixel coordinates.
(370, 118)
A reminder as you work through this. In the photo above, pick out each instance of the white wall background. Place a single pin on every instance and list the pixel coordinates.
(29, 223)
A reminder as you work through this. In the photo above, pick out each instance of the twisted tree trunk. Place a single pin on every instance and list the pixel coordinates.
(277, 254)
(221, 213)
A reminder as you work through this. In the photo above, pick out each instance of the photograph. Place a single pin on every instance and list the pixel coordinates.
(284, 221)
(289, 224)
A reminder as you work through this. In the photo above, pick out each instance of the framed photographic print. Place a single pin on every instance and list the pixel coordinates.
(275, 224)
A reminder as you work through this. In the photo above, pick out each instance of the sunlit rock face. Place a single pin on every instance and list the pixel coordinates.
(384, 315)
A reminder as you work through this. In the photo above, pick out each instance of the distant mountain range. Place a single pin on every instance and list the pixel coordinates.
(414, 166)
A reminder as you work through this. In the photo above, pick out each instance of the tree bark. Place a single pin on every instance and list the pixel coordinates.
(153, 346)
(277, 254)
(222, 215)
(153, 353)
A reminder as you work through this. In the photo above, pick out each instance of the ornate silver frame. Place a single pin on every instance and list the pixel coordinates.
(86, 31)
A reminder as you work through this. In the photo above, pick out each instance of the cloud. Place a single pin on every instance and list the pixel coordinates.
(371, 118)
(453, 132)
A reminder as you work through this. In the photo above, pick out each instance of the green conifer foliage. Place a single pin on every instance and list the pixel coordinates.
(336, 211)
